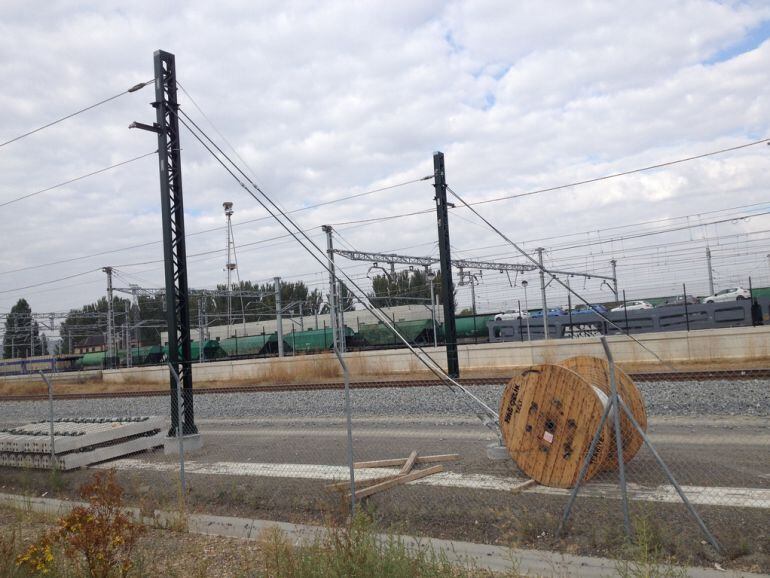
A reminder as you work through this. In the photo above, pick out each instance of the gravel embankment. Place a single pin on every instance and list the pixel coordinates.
(685, 398)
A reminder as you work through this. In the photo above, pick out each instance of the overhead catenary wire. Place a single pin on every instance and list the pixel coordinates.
(414, 213)
(554, 277)
(134, 88)
(51, 281)
(76, 179)
(201, 232)
(422, 356)
(620, 174)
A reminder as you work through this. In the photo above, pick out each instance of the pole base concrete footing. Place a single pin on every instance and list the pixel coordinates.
(190, 443)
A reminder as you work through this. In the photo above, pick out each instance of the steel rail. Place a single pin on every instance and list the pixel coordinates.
(650, 376)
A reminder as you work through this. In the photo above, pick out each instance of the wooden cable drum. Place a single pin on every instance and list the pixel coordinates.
(596, 371)
(548, 417)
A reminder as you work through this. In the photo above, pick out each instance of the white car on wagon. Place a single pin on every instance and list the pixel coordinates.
(511, 314)
(632, 306)
(732, 294)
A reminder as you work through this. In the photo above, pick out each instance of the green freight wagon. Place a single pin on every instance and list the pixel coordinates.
(252, 345)
(473, 327)
(93, 360)
(379, 335)
(313, 340)
(211, 350)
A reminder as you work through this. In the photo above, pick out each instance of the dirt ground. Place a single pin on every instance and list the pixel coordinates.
(527, 520)
(159, 552)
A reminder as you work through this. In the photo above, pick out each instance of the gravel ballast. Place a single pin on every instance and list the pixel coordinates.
(679, 398)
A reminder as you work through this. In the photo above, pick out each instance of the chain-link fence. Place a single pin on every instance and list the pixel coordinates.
(426, 465)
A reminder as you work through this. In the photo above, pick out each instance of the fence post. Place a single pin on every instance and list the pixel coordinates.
(625, 309)
(50, 417)
(349, 422)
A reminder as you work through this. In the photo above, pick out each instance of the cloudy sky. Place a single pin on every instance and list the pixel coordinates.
(327, 100)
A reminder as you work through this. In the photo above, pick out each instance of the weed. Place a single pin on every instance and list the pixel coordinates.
(645, 559)
(57, 480)
(353, 551)
(529, 526)
(98, 539)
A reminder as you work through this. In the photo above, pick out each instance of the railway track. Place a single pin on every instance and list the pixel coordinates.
(725, 375)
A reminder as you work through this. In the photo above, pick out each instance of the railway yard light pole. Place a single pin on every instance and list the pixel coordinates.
(110, 318)
(526, 308)
(711, 271)
(278, 315)
(431, 277)
(542, 291)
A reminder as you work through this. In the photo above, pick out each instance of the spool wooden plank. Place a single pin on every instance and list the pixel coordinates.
(518, 489)
(398, 480)
(596, 371)
(401, 461)
(548, 417)
(345, 485)
(409, 464)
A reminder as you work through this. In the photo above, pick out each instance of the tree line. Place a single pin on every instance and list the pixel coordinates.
(145, 318)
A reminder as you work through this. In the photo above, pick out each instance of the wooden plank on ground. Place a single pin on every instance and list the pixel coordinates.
(345, 485)
(397, 481)
(401, 461)
(519, 488)
(409, 464)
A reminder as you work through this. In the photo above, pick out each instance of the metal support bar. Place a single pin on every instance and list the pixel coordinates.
(579, 274)
(615, 401)
(709, 536)
(618, 436)
(584, 467)
(393, 259)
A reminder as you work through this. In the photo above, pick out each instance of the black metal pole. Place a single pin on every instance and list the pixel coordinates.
(569, 309)
(174, 250)
(445, 259)
(686, 312)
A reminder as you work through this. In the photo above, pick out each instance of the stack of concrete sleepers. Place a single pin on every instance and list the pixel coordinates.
(78, 442)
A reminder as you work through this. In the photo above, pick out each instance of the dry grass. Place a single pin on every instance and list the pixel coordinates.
(324, 368)
(352, 551)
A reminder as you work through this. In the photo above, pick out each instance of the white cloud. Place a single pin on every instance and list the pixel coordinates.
(325, 100)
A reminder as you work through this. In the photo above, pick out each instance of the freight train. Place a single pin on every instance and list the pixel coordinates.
(471, 329)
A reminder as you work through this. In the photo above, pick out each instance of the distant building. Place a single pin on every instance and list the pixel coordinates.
(90, 345)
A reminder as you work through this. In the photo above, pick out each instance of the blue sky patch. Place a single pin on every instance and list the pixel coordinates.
(749, 42)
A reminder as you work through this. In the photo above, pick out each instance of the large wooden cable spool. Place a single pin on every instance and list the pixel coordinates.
(550, 413)
(596, 371)
(548, 417)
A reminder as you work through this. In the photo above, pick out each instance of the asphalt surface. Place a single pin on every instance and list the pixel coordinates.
(712, 435)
